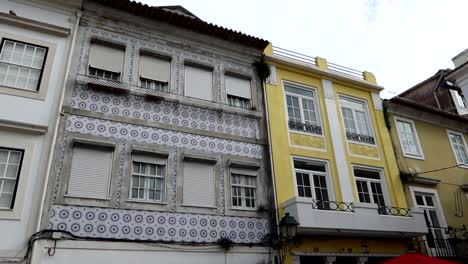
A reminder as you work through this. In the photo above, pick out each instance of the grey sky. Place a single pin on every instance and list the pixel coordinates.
(401, 42)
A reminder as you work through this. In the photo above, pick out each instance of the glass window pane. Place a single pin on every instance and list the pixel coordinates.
(15, 157)
(361, 121)
(299, 91)
(11, 171)
(5, 200)
(309, 165)
(3, 155)
(135, 181)
(419, 200)
(429, 201)
(152, 169)
(8, 186)
(370, 174)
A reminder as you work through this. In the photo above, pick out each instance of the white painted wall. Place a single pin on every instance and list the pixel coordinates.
(78, 252)
(18, 224)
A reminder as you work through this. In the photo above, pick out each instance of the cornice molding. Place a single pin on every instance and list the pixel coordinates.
(34, 25)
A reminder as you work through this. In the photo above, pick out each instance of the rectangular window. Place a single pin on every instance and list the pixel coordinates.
(21, 64)
(155, 73)
(10, 165)
(303, 113)
(369, 186)
(356, 120)
(433, 216)
(199, 82)
(312, 181)
(106, 61)
(244, 188)
(408, 138)
(148, 181)
(91, 170)
(459, 147)
(198, 184)
(238, 91)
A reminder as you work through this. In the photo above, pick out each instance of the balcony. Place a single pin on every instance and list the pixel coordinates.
(339, 218)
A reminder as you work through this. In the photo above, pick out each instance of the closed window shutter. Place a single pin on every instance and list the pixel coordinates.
(106, 57)
(90, 172)
(238, 87)
(198, 83)
(198, 186)
(155, 68)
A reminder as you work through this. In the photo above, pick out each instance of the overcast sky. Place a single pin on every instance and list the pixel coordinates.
(401, 42)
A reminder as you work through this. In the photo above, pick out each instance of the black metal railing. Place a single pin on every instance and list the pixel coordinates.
(395, 211)
(446, 243)
(314, 129)
(360, 138)
(332, 206)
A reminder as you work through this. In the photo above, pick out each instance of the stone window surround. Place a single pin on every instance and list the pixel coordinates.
(62, 198)
(133, 49)
(23, 177)
(41, 92)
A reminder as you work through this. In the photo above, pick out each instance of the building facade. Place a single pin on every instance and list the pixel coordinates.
(333, 163)
(35, 43)
(162, 146)
(430, 145)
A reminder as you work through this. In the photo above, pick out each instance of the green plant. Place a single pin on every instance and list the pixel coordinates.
(263, 70)
(225, 243)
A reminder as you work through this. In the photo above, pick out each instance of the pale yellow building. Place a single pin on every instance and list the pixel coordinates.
(334, 167)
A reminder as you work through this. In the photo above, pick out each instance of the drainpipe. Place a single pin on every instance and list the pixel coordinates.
(59, 109)
(271, 156)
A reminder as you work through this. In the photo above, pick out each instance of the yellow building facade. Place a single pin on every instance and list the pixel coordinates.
(333, 163)
(432, 153)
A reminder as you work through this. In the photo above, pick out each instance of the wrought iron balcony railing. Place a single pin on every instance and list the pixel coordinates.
(314, 129)
(360, 138)
(395, 211)
(332, 206)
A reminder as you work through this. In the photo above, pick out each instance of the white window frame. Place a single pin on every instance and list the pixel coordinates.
(315, 101)
(146, 185)
(382, 181)
(366, 114)
(453, 149)
(419, 155)
(254, 174)
(16, 179)
(327, 174)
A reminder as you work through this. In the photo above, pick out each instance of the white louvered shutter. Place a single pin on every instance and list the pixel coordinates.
(154, 68)
(106, 57)
(90, 172)
(198, 186)
(198, 83)
(238, 87)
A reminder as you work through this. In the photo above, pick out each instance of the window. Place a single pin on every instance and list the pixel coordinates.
(238, 92)
(312, 182)
(198, 184)
(356, 120)
(369, 186)
(433, 217)
(106, 61)
(459, 98)
(303, 113)
(155, 73)
(199, 82)
(147, 181)
(243, 188)
(408, 138)
(459, 147)
(21, 64)
(91, 169)
(10, 164)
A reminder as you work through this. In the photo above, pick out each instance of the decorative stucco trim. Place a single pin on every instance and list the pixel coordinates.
(23, 127)
(34, 25)
(377, 101)
(338, 144)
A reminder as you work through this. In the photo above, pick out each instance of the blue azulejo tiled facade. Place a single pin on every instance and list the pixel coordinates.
(156, 226)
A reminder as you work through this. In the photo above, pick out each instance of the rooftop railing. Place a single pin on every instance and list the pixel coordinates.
(303, 58)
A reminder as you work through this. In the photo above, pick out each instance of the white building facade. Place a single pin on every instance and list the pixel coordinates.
(35, 43)
(162, 150)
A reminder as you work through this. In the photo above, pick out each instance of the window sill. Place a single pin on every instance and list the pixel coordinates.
(87, 198)
(411, 156)
(310, 134)
(361, 143)
(22, 92)
(146, 202)
(244, 209)
(199, 206)
(463, 166)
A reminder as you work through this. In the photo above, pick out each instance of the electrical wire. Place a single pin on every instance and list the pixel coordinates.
(445, 168)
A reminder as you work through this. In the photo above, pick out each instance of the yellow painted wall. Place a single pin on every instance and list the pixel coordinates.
(438, 154)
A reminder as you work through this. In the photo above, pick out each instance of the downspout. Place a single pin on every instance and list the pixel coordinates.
(271, 156)
(57, 121)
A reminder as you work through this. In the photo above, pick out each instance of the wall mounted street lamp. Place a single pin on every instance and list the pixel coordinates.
(288, 228)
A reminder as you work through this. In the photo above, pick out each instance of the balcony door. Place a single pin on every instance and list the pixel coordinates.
(312, 182)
